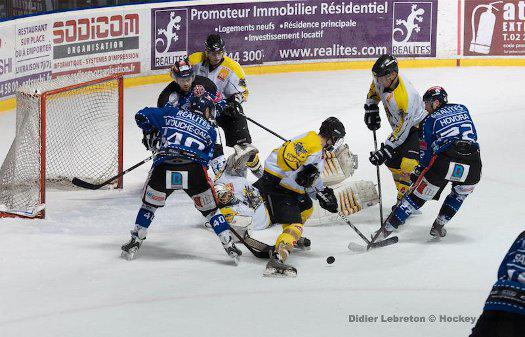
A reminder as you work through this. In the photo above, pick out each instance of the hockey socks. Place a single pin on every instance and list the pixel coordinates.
(222, 229)
(450, 207)
(145, 216)
(406, 207)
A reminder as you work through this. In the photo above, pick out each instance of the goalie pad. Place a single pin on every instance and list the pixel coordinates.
(352, 197)
(338, 165)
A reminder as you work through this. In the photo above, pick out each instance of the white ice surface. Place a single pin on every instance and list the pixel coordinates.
(63, 276)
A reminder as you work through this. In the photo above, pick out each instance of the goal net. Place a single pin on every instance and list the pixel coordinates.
(65, 128)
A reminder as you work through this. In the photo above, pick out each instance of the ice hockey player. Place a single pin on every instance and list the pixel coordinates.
(230, 80)
(404, 110)
(291, 176)
(178, 92)
(239, 201)
(504, 311)
(183, 140)
(449, 152)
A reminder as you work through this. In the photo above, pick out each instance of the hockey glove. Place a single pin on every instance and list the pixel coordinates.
(150, 140)
(380, 156)
(372, 119)
(414, 176)
(307, 176)
(327, 199)
(232, 108)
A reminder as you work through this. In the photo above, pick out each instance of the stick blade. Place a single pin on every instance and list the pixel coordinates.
(84, 184)
(383, 243)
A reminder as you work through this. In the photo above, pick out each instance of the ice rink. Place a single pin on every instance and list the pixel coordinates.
(63, 276)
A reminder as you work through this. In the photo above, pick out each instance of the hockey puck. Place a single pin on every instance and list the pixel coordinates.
(330, 259)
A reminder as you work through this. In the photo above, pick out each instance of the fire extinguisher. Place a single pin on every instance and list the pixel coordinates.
(482, 39)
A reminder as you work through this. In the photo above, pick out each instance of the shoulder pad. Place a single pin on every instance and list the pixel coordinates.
(234, 66)
(195, 58)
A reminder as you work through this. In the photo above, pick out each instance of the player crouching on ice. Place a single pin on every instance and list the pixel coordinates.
(449, 152)
(291, 177)
(183, 142)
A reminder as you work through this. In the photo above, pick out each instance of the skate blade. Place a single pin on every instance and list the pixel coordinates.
(303, 248)
(127, 256)
(273, 272)
(236, 260)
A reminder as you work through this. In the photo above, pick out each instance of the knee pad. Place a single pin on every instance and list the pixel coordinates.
(426, 190)
(205, 202)
(463, 189)
(153, 197)
(291, 233)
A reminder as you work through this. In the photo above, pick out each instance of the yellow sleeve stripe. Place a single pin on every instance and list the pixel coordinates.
(197, 57)
(234, 66)
(288, 187)
(401, 96)
(372, 93)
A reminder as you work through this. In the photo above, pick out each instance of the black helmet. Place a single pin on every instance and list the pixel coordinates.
(436, 93)
(199, 104)
(214, 42)
(332, 129)
(181, 69)
(385, 64)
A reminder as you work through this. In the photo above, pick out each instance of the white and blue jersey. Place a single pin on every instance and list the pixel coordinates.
(442, 128)
(508, 293)
(182, 133)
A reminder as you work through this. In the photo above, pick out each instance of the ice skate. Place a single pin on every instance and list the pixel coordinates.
(229, 246)
(130, 249)
(303, 244)
(438, 231)
(384, 232)
(276, 268)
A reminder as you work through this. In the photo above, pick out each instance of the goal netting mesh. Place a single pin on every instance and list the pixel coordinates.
(65, 128)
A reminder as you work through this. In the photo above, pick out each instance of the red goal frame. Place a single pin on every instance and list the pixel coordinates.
(43, 121)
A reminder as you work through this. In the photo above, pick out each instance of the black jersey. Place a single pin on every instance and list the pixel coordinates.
(174, 96)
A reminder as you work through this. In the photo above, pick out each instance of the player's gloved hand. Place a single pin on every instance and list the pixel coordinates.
(307, 176)
(372, 119)
(414, 176)
(232, 108)
(327, 199)
(380, 156)
(150, 140)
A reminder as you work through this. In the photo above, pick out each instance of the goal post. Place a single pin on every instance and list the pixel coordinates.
(65, 128)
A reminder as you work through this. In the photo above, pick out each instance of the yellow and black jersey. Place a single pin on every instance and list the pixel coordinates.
(403, 105)
(229, 76)
(286, 161)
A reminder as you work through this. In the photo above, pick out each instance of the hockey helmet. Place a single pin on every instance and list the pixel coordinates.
(332, 129)
(385, 65)
(182, 69)
(214, 42)
(436, 93)
(200, 104)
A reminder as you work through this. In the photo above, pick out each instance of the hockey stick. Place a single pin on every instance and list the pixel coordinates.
(383, 243)
(84, 184)
(265, 128)
(378, 182)
(410, 190)
(259, 249)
